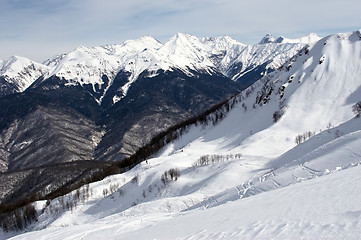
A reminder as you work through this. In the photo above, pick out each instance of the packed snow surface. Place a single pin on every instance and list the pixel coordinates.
(256, 182)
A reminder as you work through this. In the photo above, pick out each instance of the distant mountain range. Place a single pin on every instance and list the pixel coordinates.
(104, 103)
(89, 66)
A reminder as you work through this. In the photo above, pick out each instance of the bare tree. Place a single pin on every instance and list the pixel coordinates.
(356, 109)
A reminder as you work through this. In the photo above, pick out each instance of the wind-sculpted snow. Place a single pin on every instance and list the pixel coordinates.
(328, 152)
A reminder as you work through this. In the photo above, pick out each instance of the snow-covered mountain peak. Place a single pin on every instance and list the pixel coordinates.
(8, 63)
(138, 45)
(222, 43)
(185, 51)
(54, 61)
(267, 39)
(181, 42)
(354, 36)
(21, 72)
(89, 65)
(310, 38)
(182, 37)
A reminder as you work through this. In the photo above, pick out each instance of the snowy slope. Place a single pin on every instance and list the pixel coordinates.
(325, 207)
(21, 72)
(261, 184)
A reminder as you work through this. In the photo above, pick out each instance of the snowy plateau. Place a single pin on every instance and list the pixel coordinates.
(282, 163)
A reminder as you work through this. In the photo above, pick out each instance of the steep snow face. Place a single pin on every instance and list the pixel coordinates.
(222, 51)
(186, 51)
(21, 72)
(250, 57)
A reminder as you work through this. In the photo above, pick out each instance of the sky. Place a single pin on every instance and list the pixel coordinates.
(41, 29)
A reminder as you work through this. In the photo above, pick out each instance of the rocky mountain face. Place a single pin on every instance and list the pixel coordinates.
(104, 103)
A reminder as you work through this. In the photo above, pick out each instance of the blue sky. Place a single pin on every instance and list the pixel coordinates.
(40, 29)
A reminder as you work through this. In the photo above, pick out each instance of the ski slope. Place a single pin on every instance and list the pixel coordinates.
(322, 208)
(315, 194)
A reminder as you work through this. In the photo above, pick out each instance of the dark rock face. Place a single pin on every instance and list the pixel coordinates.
(6, 88)
(154, 104)
(250, 75)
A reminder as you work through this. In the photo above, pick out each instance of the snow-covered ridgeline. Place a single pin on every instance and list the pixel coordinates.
(182, 51)
(312, 37)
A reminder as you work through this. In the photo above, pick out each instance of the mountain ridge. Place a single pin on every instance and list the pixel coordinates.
(89, 65)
